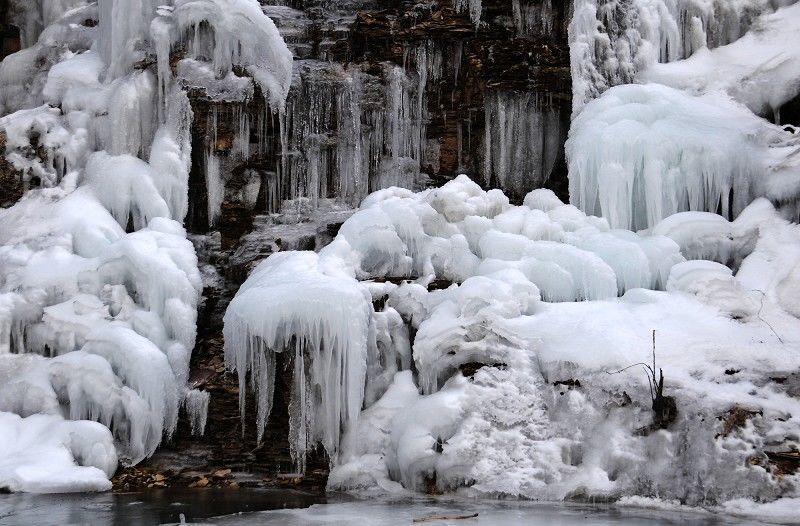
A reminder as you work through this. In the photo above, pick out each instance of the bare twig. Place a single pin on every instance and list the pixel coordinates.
(444, 518)
(652, 378)
(758, 315)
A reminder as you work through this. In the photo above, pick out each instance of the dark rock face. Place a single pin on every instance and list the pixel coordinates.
(11, 185)
(9, 34)
(385, 92)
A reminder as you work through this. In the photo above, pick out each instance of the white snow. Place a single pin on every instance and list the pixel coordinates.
(39, 452)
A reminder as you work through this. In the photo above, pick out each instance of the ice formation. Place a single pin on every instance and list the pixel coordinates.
(326, 327)
(640, 153)
(611, 41)
(446, 339)
(490, 403)
(522, 141)
(761, 69)
(99, 285)
(542, 296)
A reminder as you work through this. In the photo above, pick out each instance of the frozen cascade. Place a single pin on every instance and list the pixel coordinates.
(196, 404)
(98, 284)
(472, 7)
(348, 130)
(640, 153)
(326, 327)
(121, 26)
(243, 36)
(491, 411)
(612, 41)
(33, 16)
(497, 309)
(523, 139)
(760, 69)
(451, 233)
(533, 16)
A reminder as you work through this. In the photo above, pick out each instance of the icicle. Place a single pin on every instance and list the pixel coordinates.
(215, 187)
(474, 7)
(522, 138)
(196, 405)
(326, 327)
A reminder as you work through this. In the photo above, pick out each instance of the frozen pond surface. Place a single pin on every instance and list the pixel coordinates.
(293, 508)
(146, 508)
(470, 513)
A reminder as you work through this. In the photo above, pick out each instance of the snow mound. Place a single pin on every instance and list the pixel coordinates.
(39, 454)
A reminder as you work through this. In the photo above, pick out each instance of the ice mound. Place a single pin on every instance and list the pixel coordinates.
(508, 393)
(38, 453)
(459, 230)
(640, 153)
(88, 305)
